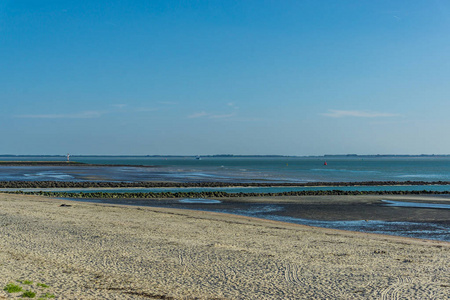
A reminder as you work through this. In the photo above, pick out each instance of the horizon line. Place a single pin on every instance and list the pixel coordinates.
(213, 155)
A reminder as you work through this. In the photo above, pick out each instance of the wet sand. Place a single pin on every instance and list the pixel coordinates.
(100, 251)
(367, 207)
(368, 213)
(332, 208)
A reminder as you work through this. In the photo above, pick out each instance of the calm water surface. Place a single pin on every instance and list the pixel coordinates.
(237, 169)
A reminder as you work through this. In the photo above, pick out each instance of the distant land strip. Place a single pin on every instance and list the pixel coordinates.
(65, 164)
(165, 184)
(246, 156)
(217, 194)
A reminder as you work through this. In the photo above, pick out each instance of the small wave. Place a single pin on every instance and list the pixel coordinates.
(421, 176)
(189, 175)
(260, 210)
(344, 170)
(129, 169)
(53, 175)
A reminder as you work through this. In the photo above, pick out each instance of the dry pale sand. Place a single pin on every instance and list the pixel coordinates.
(92, 251)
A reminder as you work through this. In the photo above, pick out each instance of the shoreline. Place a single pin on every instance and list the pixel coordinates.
(97, 251)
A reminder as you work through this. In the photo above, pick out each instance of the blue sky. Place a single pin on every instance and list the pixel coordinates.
(213, 77)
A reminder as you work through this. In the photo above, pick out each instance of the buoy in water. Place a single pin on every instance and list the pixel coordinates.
(325, 163)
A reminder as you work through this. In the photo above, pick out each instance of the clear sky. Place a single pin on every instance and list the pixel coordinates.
(303, 77)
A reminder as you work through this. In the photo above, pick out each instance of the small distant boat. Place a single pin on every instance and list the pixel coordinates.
(325, 163)
(198, 157)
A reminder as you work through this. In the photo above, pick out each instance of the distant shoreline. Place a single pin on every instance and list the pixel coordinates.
(65, 164)
(248, 156)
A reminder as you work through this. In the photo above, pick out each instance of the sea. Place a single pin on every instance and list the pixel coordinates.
(272, 170)
(234, 169)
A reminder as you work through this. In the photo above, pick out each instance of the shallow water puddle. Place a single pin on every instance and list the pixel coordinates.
(415, 204)
(199, 201)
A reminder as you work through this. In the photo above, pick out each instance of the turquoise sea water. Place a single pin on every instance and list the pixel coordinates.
(237, 169)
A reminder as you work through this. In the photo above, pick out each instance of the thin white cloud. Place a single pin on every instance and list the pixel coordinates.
(233, 105)
(91, 114)
(198, 115)
(222, 116)
(120, 106)
(168, 102)
(145, 109)
(206, 115)
(357, 113)
(81, 115)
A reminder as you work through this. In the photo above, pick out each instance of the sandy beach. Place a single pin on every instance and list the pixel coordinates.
(100, 251)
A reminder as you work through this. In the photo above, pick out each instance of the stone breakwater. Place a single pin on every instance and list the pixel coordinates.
(160, 184)
(219, 194)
